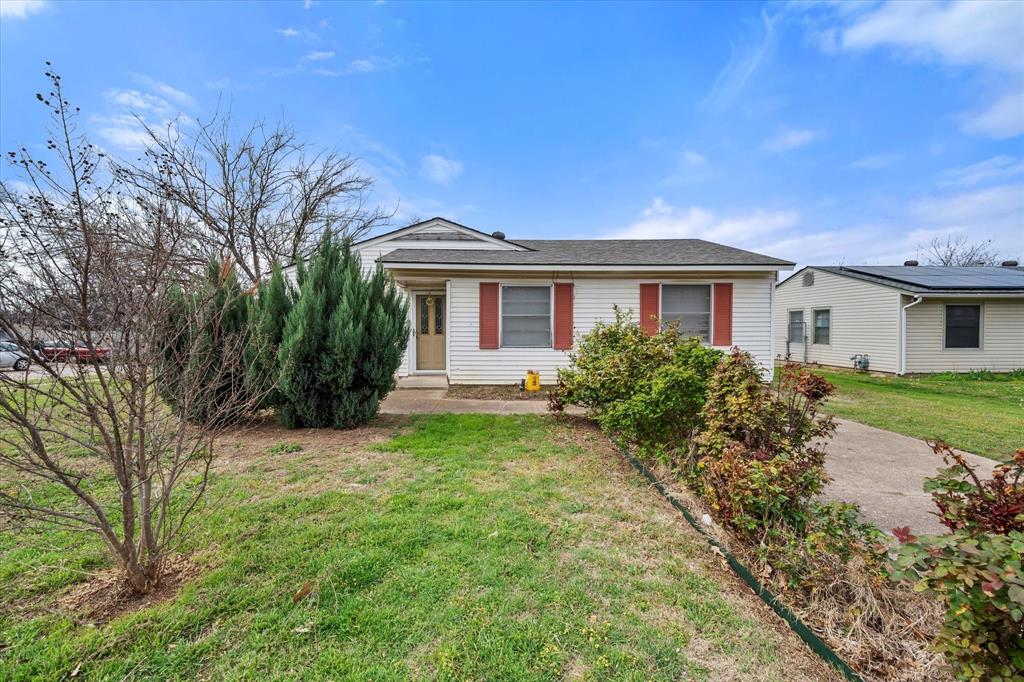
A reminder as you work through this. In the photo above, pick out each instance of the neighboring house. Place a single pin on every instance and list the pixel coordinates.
(485, 309)
(907, 319)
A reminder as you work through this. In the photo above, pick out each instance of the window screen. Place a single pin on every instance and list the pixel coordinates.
(796, 326)
(526, 317)
(963, 326)
(690, 306)
(822, 326)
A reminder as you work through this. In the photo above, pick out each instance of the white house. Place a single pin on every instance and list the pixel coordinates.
(907, 319)
(485, 309)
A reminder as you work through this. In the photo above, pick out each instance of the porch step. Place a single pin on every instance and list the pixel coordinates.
(423, 381)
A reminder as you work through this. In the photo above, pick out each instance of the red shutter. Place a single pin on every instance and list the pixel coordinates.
(563, 316)
(649, 307)
(722, 314)
(488, 314)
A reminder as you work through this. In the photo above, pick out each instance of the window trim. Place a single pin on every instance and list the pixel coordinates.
(814, 326)
(550, 286)
(803, 323)
(981, 327)
(711, 303)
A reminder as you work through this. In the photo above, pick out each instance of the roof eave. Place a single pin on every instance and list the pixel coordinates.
(561, 267)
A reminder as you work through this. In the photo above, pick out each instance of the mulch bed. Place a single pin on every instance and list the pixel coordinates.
(495, 392)
(107, 595)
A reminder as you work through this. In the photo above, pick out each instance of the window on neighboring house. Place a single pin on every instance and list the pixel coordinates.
(526, 316)
(796, 326)
(690, 306)
(963, 326)
(822, 327)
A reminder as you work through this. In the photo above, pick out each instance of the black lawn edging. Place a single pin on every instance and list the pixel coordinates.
(819, 647)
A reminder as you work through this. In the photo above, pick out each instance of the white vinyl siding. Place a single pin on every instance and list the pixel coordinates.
(1002, 337)
(863, 318)
(594, 300)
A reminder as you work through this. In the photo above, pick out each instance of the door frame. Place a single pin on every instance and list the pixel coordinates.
(414, 315)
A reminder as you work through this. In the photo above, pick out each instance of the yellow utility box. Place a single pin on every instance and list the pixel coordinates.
(532, 380)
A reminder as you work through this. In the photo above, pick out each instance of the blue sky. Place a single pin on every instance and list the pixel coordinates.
(823, 133)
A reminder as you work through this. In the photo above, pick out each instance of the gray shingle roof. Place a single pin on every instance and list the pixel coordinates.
(610, 252)
(932, 279)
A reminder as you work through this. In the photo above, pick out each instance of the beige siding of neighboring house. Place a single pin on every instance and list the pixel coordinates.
(1002, 337)
(865, 318)
(594, 300)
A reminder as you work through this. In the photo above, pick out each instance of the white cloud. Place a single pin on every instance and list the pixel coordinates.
(157, 105)
(875, 161)
(364, 65)
(370, 64)
(990, 213)
(318, 56)
(692, 159)
(981, 32)
(309, 4)
(225, 83)
(663, 221)
(997, 168)
(1002, 119)
(995, 213)
(744, 62)
(792, 138)
(292, 32)
(438, 169)
(20, 9)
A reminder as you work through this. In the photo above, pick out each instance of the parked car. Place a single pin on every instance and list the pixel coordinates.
(12, 356)
(52, 351)
(82, 353)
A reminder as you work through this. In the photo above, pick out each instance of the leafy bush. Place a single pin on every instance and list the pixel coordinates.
(342, 340)
(756, 460)
(976, 569)
(815, 557)
(646, 390)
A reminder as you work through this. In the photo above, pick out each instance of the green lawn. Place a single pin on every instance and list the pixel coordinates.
(981, 413)
(443, 547)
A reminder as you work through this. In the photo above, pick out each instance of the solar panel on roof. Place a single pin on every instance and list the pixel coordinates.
(941, 277)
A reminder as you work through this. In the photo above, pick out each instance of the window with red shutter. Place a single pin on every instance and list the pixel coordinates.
(722, 335)
(488, 315)
(649, 304)
(563, 316)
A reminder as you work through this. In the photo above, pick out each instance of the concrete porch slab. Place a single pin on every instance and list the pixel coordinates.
(419, 381)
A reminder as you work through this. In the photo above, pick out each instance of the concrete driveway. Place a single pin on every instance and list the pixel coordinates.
(883, 472)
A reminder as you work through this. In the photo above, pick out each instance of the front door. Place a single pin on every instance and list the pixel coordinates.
(430, 325)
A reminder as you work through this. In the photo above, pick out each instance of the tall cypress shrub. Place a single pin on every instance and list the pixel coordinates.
(268, 311)
(206, 329)
(342, 341)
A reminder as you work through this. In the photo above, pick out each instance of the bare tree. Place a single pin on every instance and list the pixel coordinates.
(261, 196)
(95, 261)
(959, 250)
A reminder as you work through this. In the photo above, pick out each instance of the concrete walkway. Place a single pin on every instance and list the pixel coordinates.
(883, 472)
